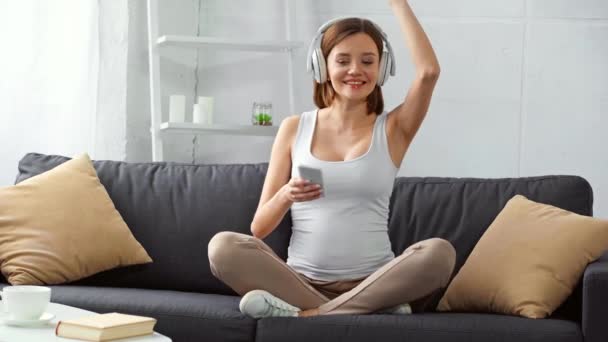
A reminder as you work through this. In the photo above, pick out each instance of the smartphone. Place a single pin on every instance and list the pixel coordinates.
(314, 175)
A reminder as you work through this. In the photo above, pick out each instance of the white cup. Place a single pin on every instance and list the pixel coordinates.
(25, 302)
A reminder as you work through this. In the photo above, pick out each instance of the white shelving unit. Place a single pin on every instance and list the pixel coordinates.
(220, 43)
(189, 128)
(156, 42)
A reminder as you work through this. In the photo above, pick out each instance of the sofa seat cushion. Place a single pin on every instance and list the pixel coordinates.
(182, 316)
(427, 327)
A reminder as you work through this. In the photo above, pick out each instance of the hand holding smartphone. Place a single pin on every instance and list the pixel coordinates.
(314, 175)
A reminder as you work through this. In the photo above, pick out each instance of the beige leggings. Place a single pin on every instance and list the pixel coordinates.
(246, 263)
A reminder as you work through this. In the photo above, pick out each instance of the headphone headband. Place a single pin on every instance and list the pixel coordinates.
(316, 43)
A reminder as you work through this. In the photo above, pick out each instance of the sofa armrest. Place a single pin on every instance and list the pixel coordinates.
(595, 300)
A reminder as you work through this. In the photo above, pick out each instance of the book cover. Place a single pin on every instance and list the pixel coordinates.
(105, 327)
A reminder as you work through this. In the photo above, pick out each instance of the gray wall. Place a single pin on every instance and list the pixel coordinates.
(523, 90)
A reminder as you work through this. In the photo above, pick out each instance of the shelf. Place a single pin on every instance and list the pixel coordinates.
(191, 128)
(199, 42)
(177, 44)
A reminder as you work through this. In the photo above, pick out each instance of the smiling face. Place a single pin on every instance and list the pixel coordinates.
(353, 67)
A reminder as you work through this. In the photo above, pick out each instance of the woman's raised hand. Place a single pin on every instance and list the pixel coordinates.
(301, 190)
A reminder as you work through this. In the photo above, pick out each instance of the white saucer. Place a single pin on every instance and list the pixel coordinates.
(44, 319)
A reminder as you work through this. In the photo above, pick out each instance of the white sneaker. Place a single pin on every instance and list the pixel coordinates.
(260, 303)
(402, 309)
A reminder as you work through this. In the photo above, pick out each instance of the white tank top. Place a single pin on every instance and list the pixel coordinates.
(343, 235)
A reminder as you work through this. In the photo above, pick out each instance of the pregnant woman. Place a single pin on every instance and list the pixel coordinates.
(339, 258)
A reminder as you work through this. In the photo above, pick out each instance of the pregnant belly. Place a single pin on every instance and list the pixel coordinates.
(339, 250)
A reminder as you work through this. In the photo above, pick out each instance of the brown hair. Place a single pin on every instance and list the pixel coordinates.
(323, 94)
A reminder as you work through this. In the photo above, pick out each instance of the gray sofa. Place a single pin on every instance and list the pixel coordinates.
(174, 210)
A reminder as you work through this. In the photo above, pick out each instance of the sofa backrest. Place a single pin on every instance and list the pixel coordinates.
(461, 209)
(174, 209)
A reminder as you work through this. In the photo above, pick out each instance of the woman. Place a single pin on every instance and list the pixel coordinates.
(340, 259)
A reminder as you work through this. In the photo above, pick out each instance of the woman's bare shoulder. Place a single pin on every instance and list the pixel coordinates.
(289, 126)
(288, 131)
(292, 120)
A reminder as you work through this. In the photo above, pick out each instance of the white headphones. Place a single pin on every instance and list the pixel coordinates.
(317, 65)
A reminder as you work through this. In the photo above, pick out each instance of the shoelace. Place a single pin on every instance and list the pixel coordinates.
(277, 305)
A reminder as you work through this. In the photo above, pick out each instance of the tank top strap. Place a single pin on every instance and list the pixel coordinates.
(303, 135)
(380, 145)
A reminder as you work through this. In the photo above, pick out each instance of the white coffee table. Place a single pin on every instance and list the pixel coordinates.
(46, 333)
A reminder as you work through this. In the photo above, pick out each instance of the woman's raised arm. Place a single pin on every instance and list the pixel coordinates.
(411, 113)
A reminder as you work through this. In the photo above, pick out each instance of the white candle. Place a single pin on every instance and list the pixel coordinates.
(177, 108)
(206, 108)
(197, 114)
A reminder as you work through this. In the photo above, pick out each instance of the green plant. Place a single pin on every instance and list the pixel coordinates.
(263, 119)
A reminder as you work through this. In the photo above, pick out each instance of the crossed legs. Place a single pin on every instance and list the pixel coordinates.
(246, 263)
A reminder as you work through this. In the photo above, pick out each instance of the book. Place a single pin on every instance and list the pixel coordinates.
(105, 327)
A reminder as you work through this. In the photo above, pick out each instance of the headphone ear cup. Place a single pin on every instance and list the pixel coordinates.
(315, 65)
(320, 67)
(389, 66)
(384, 68)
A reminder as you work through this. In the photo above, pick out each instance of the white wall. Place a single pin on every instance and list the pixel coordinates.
(49, 69)
(63, 80)
(523, 90)
(111, 111)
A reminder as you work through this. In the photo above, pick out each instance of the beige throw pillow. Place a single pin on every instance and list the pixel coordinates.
(61, 226)
(527, 262)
